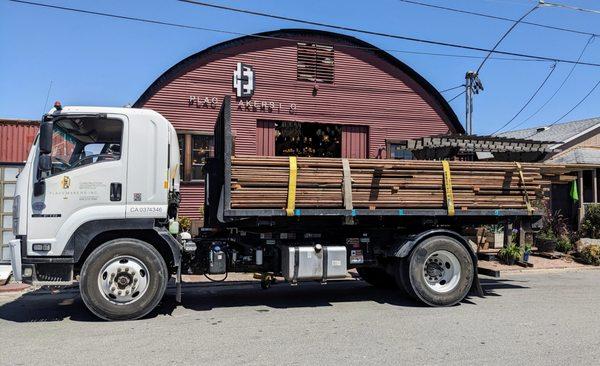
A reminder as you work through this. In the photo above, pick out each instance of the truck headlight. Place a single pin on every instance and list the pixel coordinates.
(15, 214)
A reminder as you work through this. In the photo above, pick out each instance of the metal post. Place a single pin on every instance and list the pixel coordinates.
(580, 186)
(469, 102)
(473, 85)
(595, 184)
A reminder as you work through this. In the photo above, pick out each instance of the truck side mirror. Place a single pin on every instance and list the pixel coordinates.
(45, 163)
(46, 138)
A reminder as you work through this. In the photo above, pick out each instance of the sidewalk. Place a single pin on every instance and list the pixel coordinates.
(540, 264)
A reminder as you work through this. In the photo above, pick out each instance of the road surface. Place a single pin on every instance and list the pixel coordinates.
(534, 319)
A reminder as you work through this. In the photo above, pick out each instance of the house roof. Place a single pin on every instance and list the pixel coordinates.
(582, 155)
(561, 132)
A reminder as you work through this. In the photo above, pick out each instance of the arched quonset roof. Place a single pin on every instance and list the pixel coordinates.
(288, 34)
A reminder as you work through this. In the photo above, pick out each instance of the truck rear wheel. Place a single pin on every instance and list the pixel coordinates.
(377, 277)
(123, 279)
(439, 271)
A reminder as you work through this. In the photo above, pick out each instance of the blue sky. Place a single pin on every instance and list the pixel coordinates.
(93, 60)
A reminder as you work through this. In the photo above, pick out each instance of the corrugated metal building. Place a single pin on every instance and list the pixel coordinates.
(296, 92)
(16, 137)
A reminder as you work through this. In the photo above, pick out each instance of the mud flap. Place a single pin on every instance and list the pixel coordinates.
(476, 289)
(178, 284)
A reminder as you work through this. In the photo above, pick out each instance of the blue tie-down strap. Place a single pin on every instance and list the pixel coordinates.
(297, 212)
(401, 212)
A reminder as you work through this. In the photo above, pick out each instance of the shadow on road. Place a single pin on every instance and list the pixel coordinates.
(43, 306)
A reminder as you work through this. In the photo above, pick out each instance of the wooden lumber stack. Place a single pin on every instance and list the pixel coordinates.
(262, 182)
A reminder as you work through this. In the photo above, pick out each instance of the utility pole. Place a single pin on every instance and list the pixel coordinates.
(473, 86)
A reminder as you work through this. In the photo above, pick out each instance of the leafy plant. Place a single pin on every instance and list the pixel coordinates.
(545, 235)
(184, 223)
(527, 248)
(496, 229)
(591, 255)
(564, 245)
(555, 223)
(590, 227)
(511, 252)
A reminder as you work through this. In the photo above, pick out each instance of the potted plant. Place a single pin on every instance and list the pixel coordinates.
(495, 235)
(526, 252)
(554, 227)
(510, 254)
(546, 241)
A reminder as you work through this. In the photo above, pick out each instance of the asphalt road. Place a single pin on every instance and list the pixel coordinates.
(534, 319)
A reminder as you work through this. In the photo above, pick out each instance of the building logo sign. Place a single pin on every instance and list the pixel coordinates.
(243, 80)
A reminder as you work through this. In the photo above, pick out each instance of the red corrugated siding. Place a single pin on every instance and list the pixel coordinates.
(354, 141)
(192, 197)
(265, 138)
(368, 91)
(16, 138)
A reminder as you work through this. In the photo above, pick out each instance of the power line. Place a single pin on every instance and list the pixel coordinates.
(381, 34)
(456, 96)
(489, 16)
(453, 88)
(552, 69)
(572, 7)
(560, 86)
(576, 105)
(185, 26)
(504, 36)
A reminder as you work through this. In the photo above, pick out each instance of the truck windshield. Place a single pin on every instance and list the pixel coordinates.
(83, 141)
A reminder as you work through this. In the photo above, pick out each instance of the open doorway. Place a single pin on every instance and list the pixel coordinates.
(308, 139)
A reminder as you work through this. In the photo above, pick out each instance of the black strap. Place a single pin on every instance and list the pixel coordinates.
(325, 264)
(296, 264)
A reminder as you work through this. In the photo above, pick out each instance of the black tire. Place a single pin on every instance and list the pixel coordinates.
(377, 277)
(402, 278)
(410, 272)
(99, 304)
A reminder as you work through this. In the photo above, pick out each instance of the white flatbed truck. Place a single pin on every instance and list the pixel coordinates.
(97, 202)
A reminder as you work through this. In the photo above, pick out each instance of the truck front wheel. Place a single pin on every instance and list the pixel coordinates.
(439, 271)
(123, 279)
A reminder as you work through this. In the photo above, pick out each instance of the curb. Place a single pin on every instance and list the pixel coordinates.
(547, 270)
(13, 287)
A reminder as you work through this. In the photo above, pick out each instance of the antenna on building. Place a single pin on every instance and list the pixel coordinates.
(473, 86)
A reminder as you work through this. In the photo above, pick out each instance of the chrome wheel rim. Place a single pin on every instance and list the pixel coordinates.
(442, 271)
(123, 280)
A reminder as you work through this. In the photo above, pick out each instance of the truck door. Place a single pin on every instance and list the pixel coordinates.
(86, 183)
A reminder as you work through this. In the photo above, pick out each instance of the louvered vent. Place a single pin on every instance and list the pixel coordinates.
(315, 62)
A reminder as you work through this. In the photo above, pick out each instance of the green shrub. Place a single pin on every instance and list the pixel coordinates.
(591, 255)
(510, 252)
(590, 227)
(184, 223)
(564, 245)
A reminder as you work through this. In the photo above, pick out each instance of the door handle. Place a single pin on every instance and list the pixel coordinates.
(115, 191)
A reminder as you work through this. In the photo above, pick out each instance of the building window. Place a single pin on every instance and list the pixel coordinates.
(315, 63)
(308, 139)
(194, 149)
(399, 150)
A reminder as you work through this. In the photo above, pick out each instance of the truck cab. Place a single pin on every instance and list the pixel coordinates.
(96, 175)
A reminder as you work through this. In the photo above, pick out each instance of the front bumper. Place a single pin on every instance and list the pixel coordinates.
(15, 259)
(52, 271)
